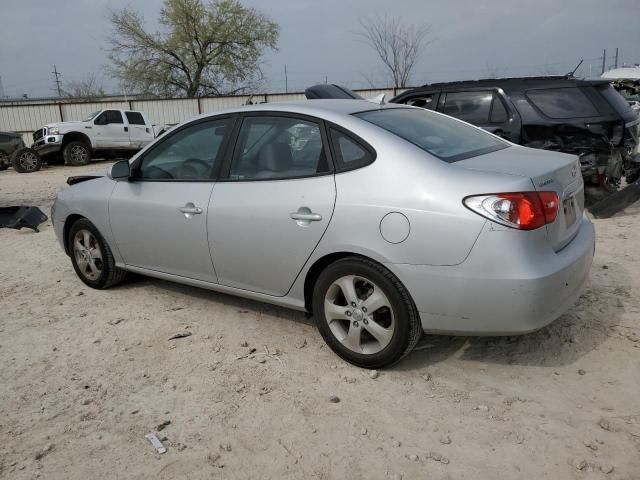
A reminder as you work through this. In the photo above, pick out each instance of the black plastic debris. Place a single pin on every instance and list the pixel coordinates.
(22, 217)
(617, 201)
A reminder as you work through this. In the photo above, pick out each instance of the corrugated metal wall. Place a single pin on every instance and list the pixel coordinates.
(26, 117)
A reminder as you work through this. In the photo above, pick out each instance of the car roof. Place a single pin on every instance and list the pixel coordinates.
(515, 83)
(314, 108)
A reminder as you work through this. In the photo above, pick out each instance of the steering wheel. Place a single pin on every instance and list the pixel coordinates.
(189, 170)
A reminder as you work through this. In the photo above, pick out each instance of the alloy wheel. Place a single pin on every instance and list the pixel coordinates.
(359, 314)
(28, 161)
(78, 154)
(88, 254)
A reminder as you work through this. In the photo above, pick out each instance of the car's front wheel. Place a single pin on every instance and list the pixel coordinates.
(26, 160)
(91, 256)
(364, 313)
(76, 153)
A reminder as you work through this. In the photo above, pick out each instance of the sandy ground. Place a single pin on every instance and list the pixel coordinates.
(86, 374)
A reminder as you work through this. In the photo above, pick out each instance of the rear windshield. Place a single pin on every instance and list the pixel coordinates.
(616, 100)
(443, 137)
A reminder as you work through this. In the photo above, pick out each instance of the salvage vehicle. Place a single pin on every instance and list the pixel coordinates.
(121, 131)
(587, 118)
(14, 152)
(382, 221)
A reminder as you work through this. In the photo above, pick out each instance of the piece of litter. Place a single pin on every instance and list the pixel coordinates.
(155, 441)
(163, 425)
(180, 335)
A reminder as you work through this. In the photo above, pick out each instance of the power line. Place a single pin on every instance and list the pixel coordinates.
(57, 81)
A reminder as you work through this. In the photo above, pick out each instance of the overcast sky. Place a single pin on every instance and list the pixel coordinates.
(318, 39)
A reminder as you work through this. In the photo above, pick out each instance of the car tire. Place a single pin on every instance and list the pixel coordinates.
(26, 160)
(91, 256)
(76, 153)
(4, 161)
(373, 337)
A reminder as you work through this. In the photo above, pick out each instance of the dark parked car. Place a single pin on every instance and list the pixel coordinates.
(587, 118)
(13, 151)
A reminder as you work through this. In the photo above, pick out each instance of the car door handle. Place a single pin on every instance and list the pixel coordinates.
(306, 217)
(126, 129)
(190, 209)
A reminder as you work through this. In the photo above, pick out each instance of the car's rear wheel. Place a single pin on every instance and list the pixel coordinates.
(91, 256)
(26, 160)
(364, 313)
(76, 153)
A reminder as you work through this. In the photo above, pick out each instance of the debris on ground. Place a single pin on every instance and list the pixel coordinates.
(605, 424)
(181, 335)
(44, 452)
(163, 425)
(374, 374)
(334, 399)
(155, 441)
(437, 457)
(22, 217)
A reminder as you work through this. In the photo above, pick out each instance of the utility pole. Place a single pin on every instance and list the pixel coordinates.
(286, 79)
(1, 88)
(616, 57)
(57, 76)
(604, 58)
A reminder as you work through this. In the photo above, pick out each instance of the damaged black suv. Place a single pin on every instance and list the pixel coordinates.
(587, 118)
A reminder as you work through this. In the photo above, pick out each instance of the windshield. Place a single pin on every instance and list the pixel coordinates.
(448, 139)
(92, 116)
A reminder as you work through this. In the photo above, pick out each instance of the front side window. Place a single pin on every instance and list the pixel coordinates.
(278, 148)
(441, 136)
(561, 103)
(472, 107)
(192, 153)
(424, 100)
(109, 116)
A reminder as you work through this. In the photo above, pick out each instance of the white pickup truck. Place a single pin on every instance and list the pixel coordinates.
(124, 131)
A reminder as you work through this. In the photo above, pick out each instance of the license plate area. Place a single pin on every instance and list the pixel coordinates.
(570, 210)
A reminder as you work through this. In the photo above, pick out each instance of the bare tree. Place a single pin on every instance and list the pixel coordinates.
(397, 45)
(88, 87)
(204, 47)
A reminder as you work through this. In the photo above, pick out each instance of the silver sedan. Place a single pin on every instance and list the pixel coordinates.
(382, 221)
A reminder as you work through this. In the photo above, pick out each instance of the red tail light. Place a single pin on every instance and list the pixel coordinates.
(521, 210)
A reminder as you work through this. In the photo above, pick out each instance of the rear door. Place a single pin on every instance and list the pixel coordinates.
(268, 215)
(140, 132)
(159, 218)
(487, 109)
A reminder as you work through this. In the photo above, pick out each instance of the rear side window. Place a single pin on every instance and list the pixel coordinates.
(349, 153)
(135, 118)
(439, 135)
(472, 107)
(569, 102)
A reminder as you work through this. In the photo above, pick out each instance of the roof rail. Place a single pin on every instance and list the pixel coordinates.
(502, 79)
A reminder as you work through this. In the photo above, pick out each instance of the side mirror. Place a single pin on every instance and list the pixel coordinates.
(120, 170)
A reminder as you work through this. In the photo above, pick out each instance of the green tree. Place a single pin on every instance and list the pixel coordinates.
(202, 48)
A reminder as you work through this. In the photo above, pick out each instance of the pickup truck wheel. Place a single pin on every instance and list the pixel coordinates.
(76, 153)
(26, 160)
(4, 161)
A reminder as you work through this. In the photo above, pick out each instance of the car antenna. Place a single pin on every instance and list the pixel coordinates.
(379, 99)
(570, 74)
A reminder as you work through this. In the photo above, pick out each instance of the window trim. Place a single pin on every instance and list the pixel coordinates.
(234, 151)
(357, 139)
(104, 112)
(214, 174)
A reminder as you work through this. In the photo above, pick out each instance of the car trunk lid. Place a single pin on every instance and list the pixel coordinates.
(548, 171)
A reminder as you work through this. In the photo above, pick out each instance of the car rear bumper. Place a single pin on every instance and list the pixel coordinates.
(511, 283)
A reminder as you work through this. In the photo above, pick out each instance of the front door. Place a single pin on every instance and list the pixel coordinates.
(159, 218)
(269, 214)
(110, 130)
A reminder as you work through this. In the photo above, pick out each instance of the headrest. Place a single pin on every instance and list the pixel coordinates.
(276, 157)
